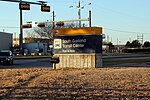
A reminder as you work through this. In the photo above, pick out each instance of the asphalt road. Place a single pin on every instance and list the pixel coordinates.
(29, 63)
(45, 62)
(124, 55)
(127, 57)
(114, 57)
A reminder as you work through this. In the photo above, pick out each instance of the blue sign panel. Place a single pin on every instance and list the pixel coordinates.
(77, 44)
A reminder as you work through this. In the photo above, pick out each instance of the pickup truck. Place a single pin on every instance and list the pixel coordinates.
(6, 57)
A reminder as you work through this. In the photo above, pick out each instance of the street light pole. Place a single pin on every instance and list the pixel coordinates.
(79, 7)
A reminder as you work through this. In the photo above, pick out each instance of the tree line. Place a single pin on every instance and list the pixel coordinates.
(137, 44)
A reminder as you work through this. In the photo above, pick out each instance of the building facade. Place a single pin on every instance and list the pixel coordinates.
(35, 48)
(6, 41)
(30, 40)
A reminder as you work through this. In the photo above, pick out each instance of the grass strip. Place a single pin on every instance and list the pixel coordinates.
(127, 61)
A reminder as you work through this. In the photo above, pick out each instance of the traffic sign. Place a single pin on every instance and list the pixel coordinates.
(42, 24)
(26, 26)
(77, 31)
(45, 8)
(24, 6)
(60, 23)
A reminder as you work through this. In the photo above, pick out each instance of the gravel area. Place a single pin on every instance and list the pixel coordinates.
(123, 83)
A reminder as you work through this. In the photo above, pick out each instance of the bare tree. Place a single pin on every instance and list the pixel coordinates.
(70, 25)
(44, 32)
(31, 37)
(73, 25)
(39, 33)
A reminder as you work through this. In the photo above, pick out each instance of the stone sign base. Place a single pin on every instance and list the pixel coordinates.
(78, 61)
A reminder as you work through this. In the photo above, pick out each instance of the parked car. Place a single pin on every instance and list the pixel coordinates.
(15, 51)
(6, 57)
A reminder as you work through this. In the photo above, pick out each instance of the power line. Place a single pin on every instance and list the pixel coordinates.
(123, 14)
(122, 31)
(9, 27)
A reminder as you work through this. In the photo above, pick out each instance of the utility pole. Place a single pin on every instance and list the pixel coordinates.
(107, 38)
(79, 7)
(140, 38)
(79, 12)
(53, 19)
(129, 39)
(117, 41)
(90, 19)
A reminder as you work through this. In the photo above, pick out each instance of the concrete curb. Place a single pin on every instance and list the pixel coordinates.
(30, 57)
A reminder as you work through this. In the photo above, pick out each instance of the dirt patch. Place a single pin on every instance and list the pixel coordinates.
(109, 83)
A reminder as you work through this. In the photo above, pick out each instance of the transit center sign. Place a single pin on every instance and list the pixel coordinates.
(78, 47)
(78, 41)
(78, 44)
